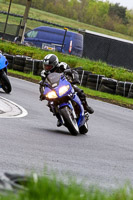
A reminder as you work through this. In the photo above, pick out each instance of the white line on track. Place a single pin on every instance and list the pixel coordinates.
(9, 109)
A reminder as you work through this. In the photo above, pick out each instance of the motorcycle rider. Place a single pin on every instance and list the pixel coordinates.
(51, 64)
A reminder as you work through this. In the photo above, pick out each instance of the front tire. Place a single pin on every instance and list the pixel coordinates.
(6, 86)
(70, 121)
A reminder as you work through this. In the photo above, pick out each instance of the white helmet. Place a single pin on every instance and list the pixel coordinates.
(50, 61)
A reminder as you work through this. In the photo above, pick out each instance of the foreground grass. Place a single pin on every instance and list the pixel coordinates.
(53, 189)
(114, 99)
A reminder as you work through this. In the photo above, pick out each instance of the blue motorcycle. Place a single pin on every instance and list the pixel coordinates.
(4, 81)
(65, 104)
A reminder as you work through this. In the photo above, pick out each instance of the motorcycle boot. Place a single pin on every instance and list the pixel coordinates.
(87, 107)
(82, 97)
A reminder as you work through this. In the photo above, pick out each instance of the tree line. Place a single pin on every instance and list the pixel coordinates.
(106, 15)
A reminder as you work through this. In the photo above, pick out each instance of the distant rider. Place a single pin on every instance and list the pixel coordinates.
(51, 64)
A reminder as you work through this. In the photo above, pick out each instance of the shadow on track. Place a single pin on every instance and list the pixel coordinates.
(62, 132)
(58, 132)
(53, 131)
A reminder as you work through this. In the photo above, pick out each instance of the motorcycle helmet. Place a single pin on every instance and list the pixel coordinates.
(50, 61)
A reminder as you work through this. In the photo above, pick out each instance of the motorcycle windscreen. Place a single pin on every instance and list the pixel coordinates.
(54, 78)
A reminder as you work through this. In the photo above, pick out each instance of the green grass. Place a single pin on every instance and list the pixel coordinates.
(115, 99)
(45, 188)
(38, 14)
(88, 65)
(23, 75)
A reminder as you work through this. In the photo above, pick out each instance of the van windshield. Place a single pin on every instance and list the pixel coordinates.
(31, 34)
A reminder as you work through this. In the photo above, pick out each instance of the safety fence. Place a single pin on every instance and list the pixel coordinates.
(87, 79)
(11, 29)
(114, 51)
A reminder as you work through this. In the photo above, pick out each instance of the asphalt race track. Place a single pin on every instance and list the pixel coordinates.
(104, 156)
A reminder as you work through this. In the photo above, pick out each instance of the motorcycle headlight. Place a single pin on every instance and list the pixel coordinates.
(51, 95)
(63, 90)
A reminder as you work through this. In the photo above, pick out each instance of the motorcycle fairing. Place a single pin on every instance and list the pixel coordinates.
(3, 65)
(60, 81)
(3, 62)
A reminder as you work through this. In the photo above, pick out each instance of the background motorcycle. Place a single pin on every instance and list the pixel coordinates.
(4, 81)
(65, 104)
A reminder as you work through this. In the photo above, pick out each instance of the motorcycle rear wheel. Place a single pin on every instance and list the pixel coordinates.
(69, 120)
(6, 86)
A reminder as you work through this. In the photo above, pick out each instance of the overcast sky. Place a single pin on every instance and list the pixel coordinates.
(125, 3)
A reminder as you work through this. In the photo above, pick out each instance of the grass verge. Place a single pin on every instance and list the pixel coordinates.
(114, 99)
(98, 67)
(51, 188)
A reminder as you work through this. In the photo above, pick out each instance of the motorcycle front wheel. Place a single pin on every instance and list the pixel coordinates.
(70, 121)
(6, 86)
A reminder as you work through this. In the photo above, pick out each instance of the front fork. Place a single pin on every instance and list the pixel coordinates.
(55, 110)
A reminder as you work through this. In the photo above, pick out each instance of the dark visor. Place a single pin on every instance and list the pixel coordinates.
(48, 67)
